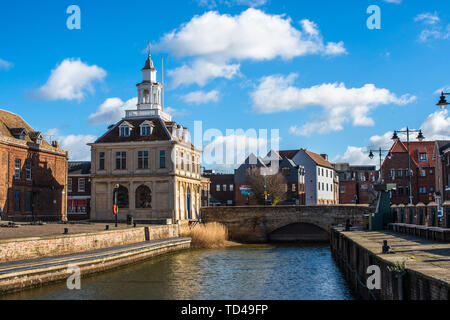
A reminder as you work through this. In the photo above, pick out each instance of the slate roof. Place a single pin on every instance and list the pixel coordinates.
(158, 133)
(287, 153)
(79, 167)
(443, 145)
(149, 64)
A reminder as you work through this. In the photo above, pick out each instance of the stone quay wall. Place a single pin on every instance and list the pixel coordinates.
(17, 281)
(354, 259)
(255, 223)
(38, 247)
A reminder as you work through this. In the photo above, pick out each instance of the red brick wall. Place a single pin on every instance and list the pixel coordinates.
(47, 186)
(350, 191)
(400, 161)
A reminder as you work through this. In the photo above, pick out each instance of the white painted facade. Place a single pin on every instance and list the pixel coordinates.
(319, 180)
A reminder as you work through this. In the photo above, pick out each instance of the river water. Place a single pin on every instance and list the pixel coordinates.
(253, 272)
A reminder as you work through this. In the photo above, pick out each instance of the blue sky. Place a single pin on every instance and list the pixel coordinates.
(311, 69)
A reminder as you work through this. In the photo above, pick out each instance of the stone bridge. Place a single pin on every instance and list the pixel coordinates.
(283, 223)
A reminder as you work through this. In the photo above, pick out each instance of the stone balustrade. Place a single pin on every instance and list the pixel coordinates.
(421, 214)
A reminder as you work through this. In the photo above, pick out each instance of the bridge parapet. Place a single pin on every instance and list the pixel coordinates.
(256, 223)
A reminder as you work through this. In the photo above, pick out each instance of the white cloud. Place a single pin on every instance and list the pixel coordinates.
(434, 29)
(201, 97)
(427, 18)
(442, 89)
(5, 65)
(175, 112)
(228, 152)
(357, 156)
(248, 3)
(112, 110)
(219, 39)
(434, 34)
(75, 144)
(339, 104)
(435, 127)
(201, 72)
(71, 80)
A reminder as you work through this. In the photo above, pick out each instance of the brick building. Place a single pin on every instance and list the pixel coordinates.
(221, 189)
(205, 192)
(79, 190)
(442, 158)
(395, 170)
(356, 183)
(33, 173)
(276, 162)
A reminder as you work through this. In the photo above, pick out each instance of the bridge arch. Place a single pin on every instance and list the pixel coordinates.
(299, 232)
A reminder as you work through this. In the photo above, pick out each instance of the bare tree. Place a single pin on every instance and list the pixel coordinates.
(275, 185)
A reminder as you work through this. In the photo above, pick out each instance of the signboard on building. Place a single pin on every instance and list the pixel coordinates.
(246, 191)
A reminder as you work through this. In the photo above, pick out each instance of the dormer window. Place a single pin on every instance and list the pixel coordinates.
(146, 129)
(19, 133)
(37, 137)
(125, 129)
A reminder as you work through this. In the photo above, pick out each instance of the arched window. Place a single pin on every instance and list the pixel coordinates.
(146, 96)
(143, 197)
(122, 197)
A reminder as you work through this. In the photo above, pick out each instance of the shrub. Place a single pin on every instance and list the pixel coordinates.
(209, 235)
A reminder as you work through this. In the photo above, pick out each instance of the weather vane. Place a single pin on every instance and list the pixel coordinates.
(148, 48)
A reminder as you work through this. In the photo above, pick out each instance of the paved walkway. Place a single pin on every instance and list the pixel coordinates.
(425, 256)
(16, 266)
(26, 230)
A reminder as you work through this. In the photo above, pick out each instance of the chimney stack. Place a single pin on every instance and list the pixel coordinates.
(55, 144)
(324, 155)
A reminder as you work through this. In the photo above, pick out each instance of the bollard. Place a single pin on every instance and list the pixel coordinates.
(134, 224)
(107, 227)
(385, 247)
(66, 230)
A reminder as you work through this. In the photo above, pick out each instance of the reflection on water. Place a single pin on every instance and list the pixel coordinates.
(245, 272)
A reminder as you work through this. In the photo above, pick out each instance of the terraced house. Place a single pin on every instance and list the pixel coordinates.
(151, 159)
(33, 173)
(395, 170)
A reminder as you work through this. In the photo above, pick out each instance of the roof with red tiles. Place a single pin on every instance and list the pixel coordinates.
(318, 159)
(415, 149)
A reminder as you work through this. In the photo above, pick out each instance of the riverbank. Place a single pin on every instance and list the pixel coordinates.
(62, 244)
(426, 271)
(19, 275)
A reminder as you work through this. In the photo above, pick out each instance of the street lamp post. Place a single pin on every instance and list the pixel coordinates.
(442, 101)
(420, 137)
(380, 153)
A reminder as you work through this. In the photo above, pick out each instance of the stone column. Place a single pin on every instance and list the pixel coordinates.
(432, 214)
(132, 198)
(109, 198)
(400, 211)
(393, 212)
(446, 214)
(410, 213)
(421, 213)
(154, 200)
(93, 211)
